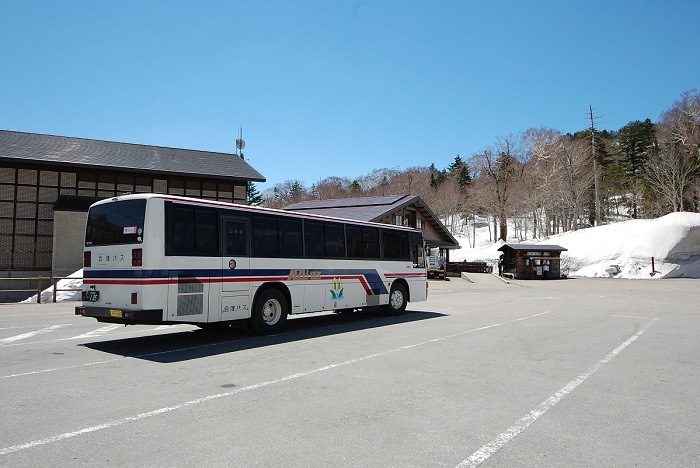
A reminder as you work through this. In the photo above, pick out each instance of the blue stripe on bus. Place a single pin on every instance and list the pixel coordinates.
(372, 277)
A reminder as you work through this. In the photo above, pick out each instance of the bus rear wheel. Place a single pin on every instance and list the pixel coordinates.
(269, 312)
(398, 299)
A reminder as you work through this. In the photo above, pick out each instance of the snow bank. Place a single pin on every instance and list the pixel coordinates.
(74, 281)
(673, 241)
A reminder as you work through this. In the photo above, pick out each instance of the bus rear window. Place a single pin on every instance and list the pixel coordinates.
(120, 222)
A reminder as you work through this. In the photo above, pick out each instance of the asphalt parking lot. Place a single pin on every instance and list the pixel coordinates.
(583, 372)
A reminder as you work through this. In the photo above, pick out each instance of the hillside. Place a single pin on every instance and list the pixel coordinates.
(672, 240)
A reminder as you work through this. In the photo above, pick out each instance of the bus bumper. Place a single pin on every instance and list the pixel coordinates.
(127, 317)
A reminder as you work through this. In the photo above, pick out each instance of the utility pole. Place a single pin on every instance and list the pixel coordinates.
(595, 168)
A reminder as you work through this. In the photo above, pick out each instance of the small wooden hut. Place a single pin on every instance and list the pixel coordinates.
(531, 261)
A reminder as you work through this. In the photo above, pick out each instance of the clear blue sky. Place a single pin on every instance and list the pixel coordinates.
(339, 87)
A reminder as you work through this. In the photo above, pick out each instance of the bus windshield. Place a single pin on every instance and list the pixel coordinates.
(116, 223)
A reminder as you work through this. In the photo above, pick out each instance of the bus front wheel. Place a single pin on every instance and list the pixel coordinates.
(269, 312)
(398, 299)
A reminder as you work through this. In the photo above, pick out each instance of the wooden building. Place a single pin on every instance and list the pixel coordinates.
(48, 182)
(531, 261)
(401, 210)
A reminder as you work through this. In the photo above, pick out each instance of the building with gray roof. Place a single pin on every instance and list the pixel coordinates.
(404, 210)
(47, 182)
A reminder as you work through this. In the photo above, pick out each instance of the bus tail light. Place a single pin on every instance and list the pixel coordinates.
(134, 298)
(87, 259)
(136, 257)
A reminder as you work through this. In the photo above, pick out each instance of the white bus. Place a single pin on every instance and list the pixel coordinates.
(162, 259)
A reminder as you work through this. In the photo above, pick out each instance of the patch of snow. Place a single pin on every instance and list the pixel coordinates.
(673, 241)
(73, 281)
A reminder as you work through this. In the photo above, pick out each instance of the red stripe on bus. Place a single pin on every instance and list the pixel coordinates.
(254, 279)
(405, 275)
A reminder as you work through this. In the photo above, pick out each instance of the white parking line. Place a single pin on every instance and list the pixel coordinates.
(531, 316)
(24, 336)
(121, 358)
(130, 332)
(167, 409)
(481, 455)
(119, 422)
(98, 332)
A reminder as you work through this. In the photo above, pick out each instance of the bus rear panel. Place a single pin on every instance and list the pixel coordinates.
(117, 242)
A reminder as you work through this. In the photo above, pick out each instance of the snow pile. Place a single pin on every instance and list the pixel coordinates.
(622, 250)
(673, 241)
(74, 281)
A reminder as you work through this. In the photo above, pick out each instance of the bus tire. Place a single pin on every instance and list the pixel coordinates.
(269, 312)
(398, 299)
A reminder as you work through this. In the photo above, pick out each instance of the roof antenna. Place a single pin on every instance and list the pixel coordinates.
(240, 144)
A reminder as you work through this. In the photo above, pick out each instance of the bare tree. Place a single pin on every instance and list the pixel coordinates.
(501, 168)
(446, 201)
(412, 181)
(378, 182)
(285, 193)
(680, 125)
(538, 177)
(671, 173)
(575, 179)
(674, 168)
(332, 187)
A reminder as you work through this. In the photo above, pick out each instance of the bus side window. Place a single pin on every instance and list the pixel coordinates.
(370, 238)
(390, 242)
(354, 240)
(313, 239)
(236, 238)
(206, 232)
(182, 231)
(265, 237)
(291, 238)
(335, 240)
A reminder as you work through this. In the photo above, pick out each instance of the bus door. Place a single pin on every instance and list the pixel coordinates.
(235, 269)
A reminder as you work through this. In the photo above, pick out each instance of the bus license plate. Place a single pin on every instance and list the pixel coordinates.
(92, 295)
(116, 313)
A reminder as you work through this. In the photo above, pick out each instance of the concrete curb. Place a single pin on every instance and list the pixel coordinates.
(466, 277)
(501, 278)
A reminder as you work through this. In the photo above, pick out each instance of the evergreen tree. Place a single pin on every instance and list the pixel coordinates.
(636, 140)
(254, 197)
(460, 171)
(635, 145)
(437, 177)
(603, 139)
(296, 191)
(456, 165)
(464, 178)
